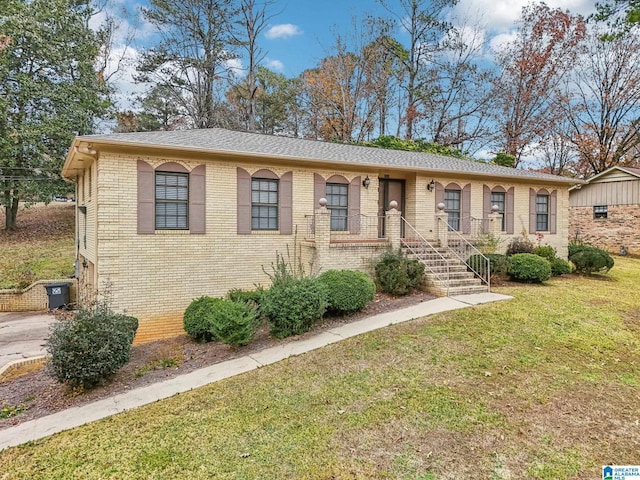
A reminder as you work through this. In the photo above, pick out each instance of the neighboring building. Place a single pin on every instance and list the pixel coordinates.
(166, 217)
(606, 210)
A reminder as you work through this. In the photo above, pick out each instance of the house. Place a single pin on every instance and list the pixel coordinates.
(606, 210)
(165, 217)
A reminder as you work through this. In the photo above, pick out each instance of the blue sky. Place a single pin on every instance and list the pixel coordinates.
(304, 30)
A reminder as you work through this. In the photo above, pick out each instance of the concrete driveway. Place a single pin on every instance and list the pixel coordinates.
(22, 335)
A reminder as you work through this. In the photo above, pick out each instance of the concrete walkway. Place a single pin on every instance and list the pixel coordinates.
(74, 417)
(22, 337)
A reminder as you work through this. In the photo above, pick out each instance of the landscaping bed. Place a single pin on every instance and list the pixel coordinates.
(36, 394)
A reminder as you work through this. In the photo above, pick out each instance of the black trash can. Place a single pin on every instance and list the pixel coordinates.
(58, 294)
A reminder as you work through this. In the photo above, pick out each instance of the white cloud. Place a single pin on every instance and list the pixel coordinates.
(276, 65)
(501, 15)
(283, 30)
(498, 42)
(120, 71)
(236, 68)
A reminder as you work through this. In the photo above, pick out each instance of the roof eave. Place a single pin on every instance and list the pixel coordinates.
(77, 153)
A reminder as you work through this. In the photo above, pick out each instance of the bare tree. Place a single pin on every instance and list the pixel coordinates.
(603, 103)
(423, 21)
(458, 108)
(193, 56)
(342, 99)
(532, 67)
(253, 20)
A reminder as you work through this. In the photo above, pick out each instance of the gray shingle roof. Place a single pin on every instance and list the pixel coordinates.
(227, 141)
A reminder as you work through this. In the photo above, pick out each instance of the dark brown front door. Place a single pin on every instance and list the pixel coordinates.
(389, 190)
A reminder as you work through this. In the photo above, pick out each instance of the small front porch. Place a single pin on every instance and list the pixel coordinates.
(453, 264)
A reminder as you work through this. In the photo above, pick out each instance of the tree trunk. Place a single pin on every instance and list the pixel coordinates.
(11, 211)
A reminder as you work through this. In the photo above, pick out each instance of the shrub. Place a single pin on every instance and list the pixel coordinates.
(397, 275)
(529, 268)
(90, 346)
(233, 323)
(197, 319)
(229, 322)
(293, 306)
(519, 245)
(589, 259)
(560, 267)
(575, 247)
(246, 296)
(547, 252)
(499, 264)
(347, 290)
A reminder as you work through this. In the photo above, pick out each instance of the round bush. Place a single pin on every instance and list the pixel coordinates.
(529, 268)
(397, 275)
(90, 347)
(292, 307)
(347, 290)
(519, 245)
(547, 252)
(197, 319)
(560, 267)
(588, 259)
(233, 323)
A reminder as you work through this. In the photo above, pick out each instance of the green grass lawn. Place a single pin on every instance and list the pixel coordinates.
(40, 249)
(544, 386)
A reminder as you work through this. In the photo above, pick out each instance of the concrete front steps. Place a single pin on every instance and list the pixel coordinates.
(446, 275)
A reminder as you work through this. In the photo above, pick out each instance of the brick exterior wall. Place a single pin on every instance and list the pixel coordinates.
(33, 298)
(154, 277)
(620, 228)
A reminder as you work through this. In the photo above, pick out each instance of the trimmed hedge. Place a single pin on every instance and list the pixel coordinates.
(293, 306)
(347, 290)
(91, 346)
(529, 268)
(590, 259)
(397, 275)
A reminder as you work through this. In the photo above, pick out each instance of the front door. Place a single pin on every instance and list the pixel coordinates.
(388, 191)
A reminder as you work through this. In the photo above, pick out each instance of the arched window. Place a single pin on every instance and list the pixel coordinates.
(170, 197)
(343, 199)
(503, 198)
(264, 202)
(542, 210)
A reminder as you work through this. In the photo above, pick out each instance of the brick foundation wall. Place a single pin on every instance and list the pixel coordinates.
(33, 298)
(621, 228)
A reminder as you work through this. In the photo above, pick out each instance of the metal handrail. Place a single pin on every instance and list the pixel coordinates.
(485, 275)
(429, 265)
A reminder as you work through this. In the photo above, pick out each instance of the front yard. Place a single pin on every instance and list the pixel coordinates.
(544, 386)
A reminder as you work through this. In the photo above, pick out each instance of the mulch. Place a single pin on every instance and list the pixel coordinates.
(36, 394)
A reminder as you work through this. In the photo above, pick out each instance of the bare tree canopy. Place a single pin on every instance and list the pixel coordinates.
(603, 103)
